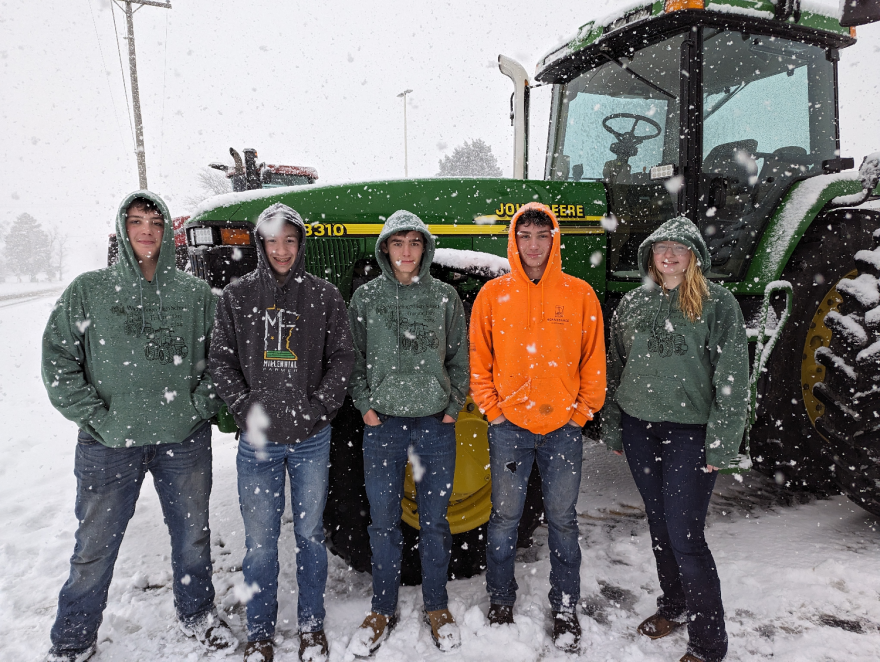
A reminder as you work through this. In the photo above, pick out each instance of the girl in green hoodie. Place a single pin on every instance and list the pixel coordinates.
(677, 405)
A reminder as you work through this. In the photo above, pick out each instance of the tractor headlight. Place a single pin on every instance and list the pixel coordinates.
(202, 236)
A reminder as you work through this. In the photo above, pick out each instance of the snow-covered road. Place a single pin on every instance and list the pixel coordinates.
(800, 582)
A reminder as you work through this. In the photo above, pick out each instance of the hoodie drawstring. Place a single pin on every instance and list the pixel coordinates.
(143, 314)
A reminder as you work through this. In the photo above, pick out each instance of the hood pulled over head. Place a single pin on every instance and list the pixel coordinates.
(554, 264)
(679, 229)
(166, 264)
(269, 223)
(405, 221)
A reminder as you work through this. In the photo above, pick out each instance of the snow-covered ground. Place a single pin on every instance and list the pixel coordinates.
(800, 582)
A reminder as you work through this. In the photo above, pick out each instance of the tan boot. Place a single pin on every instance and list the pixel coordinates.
(657, 627)
(444, 630)
(371, 634)
(690, 657)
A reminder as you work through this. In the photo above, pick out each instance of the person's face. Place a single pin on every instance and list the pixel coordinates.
(281, 249)
(405, 254)
(144, 230)
(534, 243)
(671, 259)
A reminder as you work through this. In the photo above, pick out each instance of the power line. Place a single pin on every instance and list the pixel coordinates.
(104, 76)
(122, 72)
(164, 78)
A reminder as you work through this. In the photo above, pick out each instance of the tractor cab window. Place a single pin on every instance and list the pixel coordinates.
(615, 123)
(768, 120)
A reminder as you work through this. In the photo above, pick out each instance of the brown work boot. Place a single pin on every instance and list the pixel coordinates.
(690, 657)
(371, 634)
(259, 651)
(444, 630)
(566, 631)
(313, 646)
(500, 615)
(657, 627)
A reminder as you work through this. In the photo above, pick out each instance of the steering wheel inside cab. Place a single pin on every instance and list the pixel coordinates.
(626, 145)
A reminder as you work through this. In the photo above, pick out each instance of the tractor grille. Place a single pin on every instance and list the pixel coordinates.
(333, 258)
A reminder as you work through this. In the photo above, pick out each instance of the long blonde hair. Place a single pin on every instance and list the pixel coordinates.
(692, 291)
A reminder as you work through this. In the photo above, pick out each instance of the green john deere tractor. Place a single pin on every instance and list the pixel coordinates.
(722, 110)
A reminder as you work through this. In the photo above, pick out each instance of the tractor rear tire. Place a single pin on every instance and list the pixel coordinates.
(786, 443)
(850, 389)
(347, 513)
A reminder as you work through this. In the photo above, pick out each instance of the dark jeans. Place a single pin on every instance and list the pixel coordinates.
(386, 450)
(668, 462)
(512, 452)
(108, 483)
(261, 478)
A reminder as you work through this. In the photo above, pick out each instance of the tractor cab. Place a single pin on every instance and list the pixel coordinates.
(710, 114)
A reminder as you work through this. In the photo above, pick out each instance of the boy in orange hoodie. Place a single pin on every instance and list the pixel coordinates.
(538, 375)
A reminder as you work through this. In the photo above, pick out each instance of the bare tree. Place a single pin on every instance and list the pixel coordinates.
(210, 183)
(57, 252)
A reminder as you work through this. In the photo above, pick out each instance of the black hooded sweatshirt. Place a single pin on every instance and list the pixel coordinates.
(287, 347)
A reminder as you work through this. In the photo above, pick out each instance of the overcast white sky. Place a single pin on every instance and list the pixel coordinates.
(306, 83)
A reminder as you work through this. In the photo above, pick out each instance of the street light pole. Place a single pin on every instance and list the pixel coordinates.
(405, 153)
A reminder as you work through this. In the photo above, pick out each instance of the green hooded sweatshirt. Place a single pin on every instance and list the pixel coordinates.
(411, 351)
(663, 367)
(124, 358)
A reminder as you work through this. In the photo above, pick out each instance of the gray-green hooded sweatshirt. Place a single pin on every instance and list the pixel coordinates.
(411, 351)
(663, 367)
(125, 358)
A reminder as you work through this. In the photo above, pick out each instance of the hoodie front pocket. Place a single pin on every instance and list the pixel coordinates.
(135, 420)
(410, 395)
(550, 396)
(281, 406)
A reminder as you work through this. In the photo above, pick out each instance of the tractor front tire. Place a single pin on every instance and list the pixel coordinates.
(347, 513)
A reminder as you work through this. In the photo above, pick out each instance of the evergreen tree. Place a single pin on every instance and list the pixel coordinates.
(28, 248)
(472, 159)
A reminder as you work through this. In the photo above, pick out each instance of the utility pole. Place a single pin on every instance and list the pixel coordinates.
(135, 92)
(405, 154)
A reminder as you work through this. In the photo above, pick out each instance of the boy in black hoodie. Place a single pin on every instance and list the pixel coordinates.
(281, 357)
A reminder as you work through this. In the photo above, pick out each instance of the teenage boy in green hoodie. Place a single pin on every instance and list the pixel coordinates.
(124, 357)
(410, 381)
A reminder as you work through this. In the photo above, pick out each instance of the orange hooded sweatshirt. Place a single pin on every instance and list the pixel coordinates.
(537, 350)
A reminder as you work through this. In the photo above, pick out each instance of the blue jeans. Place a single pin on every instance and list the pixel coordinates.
(512, 452)
(261, 478)
(385, 457)
(108, 483)
(668, 461)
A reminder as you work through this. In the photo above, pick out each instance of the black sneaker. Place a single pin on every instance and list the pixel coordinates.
(566, 631)
(500, 615)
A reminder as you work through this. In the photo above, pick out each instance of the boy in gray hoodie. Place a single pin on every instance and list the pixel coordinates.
(410, 380)
(281, 356)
